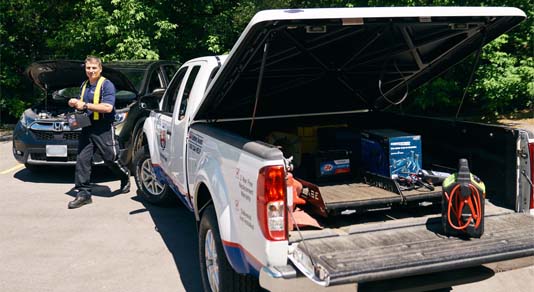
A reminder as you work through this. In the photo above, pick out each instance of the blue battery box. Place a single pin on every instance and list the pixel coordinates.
(389, 152)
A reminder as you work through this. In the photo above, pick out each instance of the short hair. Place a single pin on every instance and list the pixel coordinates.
(93, 59)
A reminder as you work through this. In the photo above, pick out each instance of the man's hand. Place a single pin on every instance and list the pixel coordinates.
(76, 103)
(73, 102)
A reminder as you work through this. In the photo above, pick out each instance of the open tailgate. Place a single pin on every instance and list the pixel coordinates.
(397, 249)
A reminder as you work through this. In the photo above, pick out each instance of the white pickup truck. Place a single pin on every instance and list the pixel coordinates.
(235, 135)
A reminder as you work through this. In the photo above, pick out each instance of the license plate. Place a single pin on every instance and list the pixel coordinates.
(56, 150)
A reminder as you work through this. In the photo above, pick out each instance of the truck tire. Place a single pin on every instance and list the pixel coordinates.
(151, 189)
(216, 272)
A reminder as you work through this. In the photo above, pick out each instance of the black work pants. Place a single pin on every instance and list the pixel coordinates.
(98, 138)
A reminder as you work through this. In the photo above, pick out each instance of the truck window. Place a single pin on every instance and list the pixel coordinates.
(187, 91)
(172, 91)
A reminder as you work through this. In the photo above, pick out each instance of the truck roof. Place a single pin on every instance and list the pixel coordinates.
(345, 59)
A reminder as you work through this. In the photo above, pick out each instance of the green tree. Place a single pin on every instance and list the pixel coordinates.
(24, 28)
(180, 30)
(504, 79)
(113, 30)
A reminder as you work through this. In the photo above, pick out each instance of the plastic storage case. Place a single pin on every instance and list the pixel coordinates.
(389, 152)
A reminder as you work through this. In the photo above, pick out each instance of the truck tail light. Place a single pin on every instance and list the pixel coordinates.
(531, 155)
(271, 202)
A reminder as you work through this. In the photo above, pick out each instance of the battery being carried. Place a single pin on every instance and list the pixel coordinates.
(389, 152)
(332, 164)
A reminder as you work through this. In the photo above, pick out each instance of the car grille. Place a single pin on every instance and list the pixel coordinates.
(42, 135)
(42, 157)
(71, 135)
(49, 135)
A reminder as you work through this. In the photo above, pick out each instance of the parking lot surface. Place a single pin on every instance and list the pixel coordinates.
(117, 243)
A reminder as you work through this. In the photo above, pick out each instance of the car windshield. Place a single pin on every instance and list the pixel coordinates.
(66, 93)
(135, 75)
(74, 92)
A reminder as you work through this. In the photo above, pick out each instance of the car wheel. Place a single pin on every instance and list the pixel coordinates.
(216, 272)
(151, 189)
(138, 141)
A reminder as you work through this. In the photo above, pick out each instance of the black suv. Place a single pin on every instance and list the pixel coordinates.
(43, 137)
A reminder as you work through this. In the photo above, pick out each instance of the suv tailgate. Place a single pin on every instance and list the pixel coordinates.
(404, 248)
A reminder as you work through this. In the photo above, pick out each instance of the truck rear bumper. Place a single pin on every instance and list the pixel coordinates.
(426, 282)
(286, 278)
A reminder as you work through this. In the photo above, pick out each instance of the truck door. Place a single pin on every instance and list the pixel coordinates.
(180, 122)
(164, 118)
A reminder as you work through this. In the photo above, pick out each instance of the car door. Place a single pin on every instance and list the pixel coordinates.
(160, 78)
(168, 71)
(156, 81)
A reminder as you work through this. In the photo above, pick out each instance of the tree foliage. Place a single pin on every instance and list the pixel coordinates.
(180, 30)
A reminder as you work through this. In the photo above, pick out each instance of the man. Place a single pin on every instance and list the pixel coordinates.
(97, 99)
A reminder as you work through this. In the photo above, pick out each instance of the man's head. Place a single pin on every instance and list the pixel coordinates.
(93, 68)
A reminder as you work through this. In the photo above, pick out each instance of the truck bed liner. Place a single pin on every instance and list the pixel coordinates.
(417, 248)
(333, 198)
(357, 194)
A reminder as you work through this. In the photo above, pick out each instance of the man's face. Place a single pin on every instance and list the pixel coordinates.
(92, 70)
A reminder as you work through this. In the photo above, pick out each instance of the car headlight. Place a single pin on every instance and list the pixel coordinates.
(120, 117)
(26, 120)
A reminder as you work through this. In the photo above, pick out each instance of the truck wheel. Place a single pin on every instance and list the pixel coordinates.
(217, 273)
(151, 189)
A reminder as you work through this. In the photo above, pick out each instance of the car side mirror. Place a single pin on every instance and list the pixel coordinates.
(158, 92)
(148, 102)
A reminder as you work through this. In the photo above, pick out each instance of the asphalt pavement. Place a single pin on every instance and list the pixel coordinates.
(119, 243)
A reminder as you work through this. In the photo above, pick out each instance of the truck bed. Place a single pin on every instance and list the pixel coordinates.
(356, 194)
(332, 198)
(377, 251)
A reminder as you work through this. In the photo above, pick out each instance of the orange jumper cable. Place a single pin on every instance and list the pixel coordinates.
(456, 204)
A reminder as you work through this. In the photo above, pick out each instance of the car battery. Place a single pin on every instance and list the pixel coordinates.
(332, 164)
(390, 153)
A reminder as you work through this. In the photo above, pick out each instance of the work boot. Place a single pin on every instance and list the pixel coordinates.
(125, 186)
(125, 183)
(79, 201)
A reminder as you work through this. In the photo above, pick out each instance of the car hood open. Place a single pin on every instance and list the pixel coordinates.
(344, 59)
(58, 74)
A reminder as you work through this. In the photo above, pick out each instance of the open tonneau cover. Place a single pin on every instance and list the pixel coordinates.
(331, 60)
(379, 251)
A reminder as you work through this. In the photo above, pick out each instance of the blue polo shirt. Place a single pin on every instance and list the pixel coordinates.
(106, 96)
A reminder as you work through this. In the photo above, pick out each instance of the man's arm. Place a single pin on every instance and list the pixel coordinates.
(100, 108)
(105, 106)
